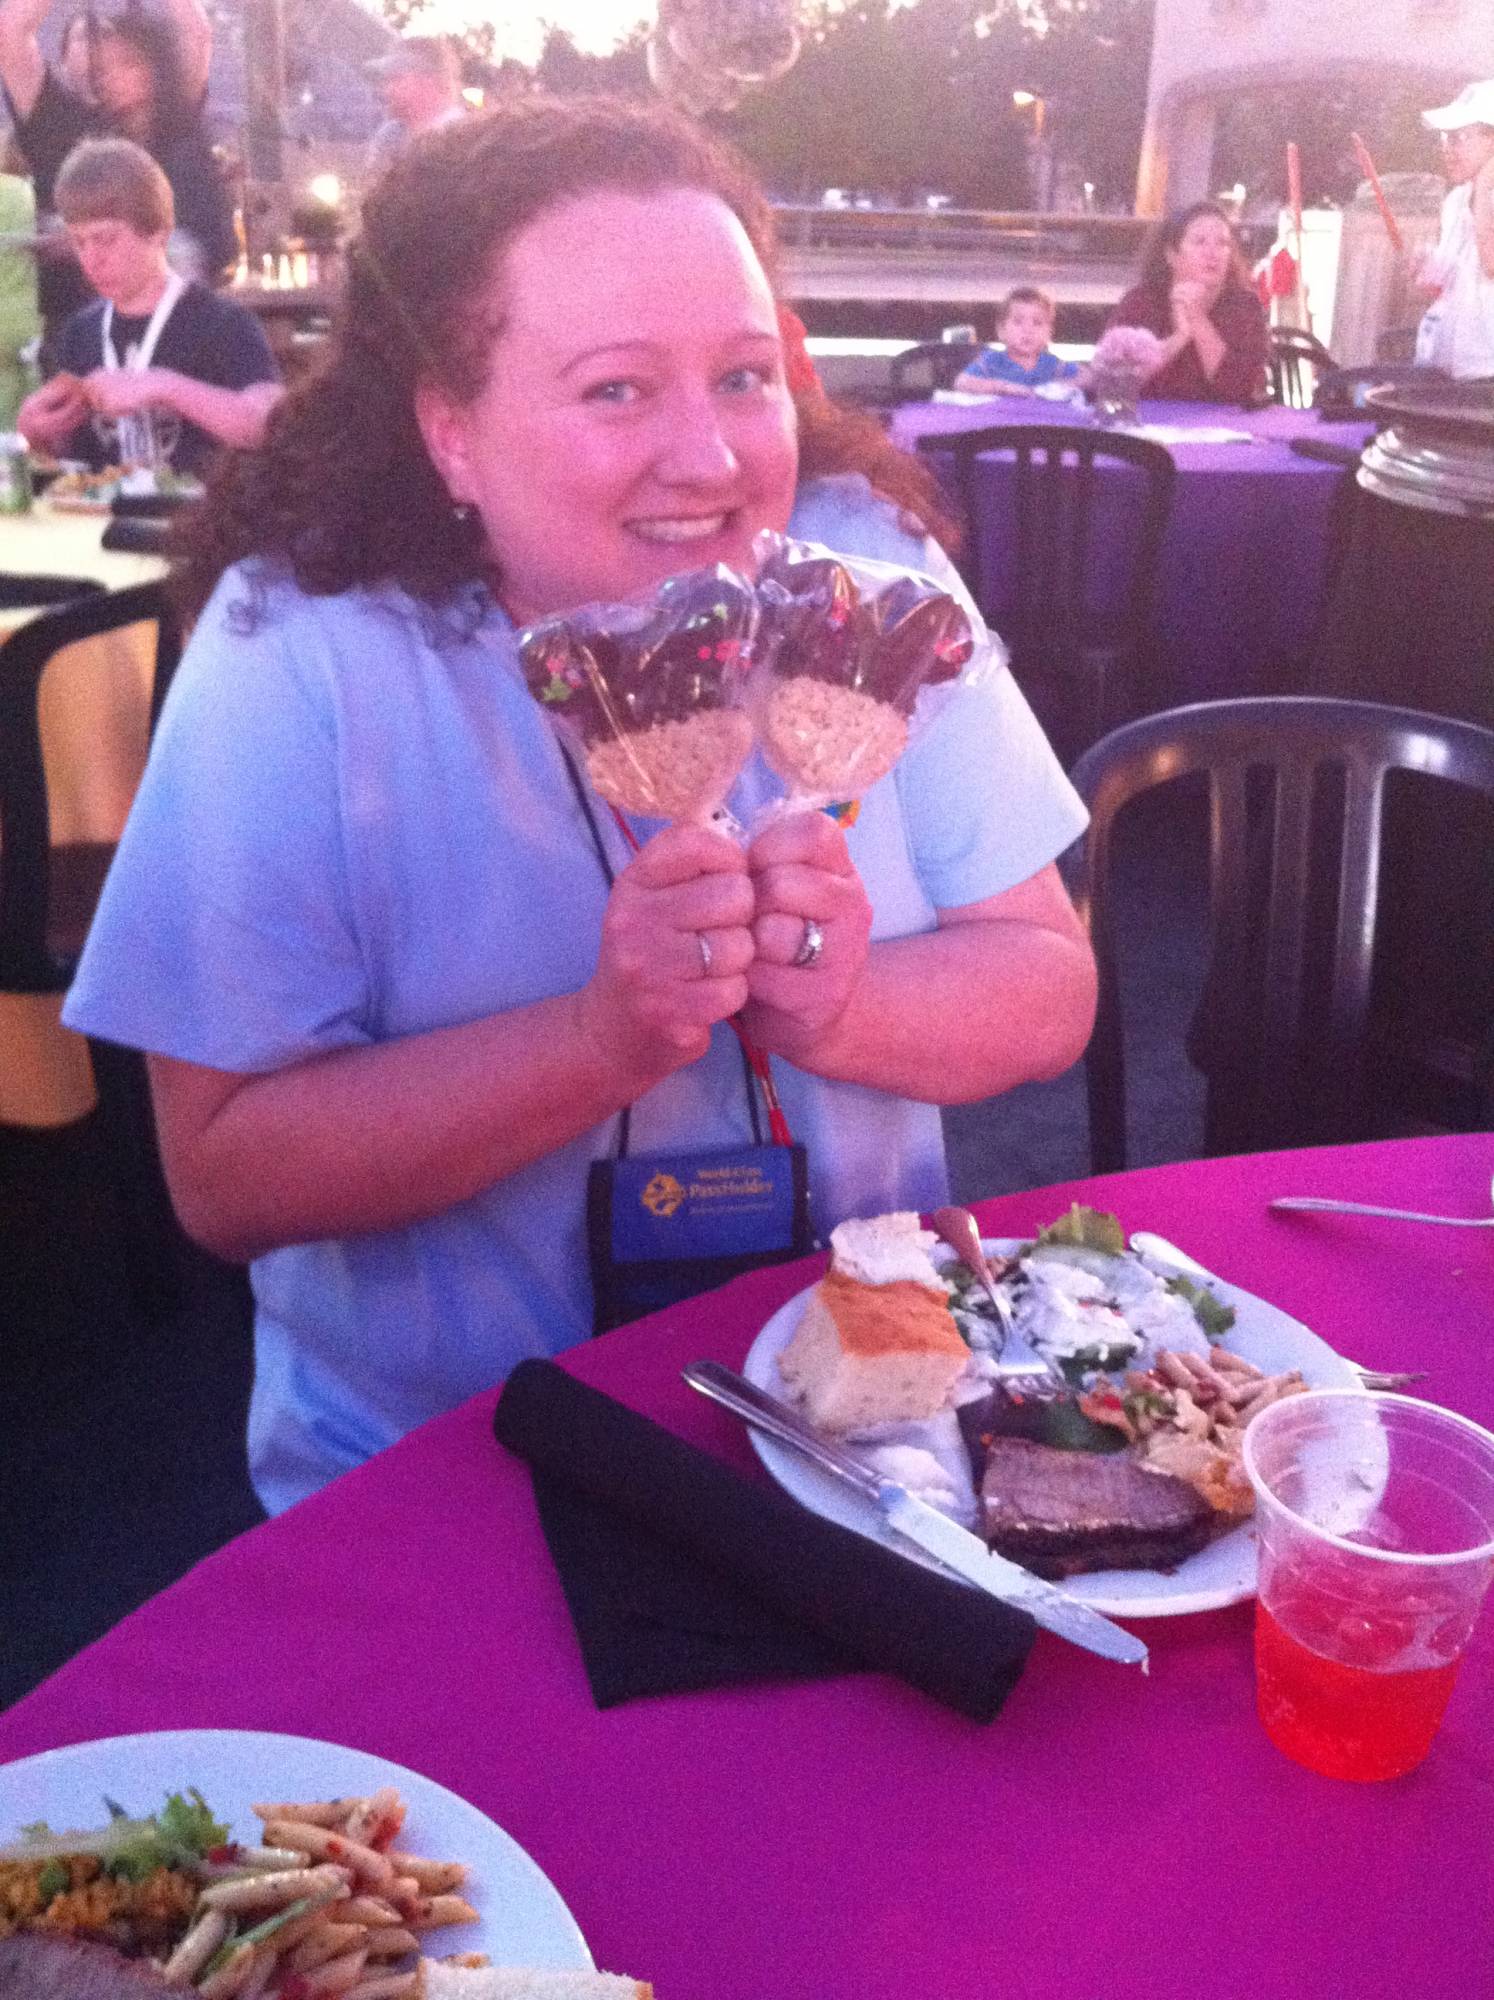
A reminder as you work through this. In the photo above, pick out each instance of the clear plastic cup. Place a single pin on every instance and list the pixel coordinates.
(1375, 1522)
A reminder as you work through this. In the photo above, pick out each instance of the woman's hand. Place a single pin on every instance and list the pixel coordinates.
(1188, 305)
(802, 875)
(676, 945)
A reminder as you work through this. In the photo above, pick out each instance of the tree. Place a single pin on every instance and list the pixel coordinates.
(902, 100)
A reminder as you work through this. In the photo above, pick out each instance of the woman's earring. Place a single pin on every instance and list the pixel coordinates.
(462, 512)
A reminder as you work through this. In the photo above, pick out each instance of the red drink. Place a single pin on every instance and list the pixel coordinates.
(1365, 1722)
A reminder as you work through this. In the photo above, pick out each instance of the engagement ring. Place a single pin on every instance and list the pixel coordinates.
(810, 945)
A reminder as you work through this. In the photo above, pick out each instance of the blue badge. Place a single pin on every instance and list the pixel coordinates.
(672, 1206)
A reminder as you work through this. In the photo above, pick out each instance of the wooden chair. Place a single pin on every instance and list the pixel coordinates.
(53, 858)
(1286, 1033)
(1076, 625)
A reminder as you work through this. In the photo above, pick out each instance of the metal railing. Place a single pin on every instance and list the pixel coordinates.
(1081, 237)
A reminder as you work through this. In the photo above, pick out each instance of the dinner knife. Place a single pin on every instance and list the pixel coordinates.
(950, 1544)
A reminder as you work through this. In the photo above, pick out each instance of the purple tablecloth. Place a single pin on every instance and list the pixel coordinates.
(1245, 554)
(1108, 1835)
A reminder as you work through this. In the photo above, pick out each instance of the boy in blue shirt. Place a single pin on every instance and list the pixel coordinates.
(1023, 362)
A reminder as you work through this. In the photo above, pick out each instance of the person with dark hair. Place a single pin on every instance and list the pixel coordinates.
(397, 972)
(149, 75)
(156, 353)
(1195, 295)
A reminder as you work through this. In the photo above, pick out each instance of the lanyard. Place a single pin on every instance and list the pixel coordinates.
(755, 1063)
(140, 356)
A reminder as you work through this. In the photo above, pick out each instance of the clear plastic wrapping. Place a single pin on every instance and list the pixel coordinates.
(851, 657)
(653, 695)
(829, 663)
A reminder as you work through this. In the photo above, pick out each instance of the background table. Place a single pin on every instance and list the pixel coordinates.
(1108, 1837)
(1245, 556)
(60, 543)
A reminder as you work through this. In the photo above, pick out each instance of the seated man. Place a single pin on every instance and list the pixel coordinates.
(1024, 361)
(158, 369)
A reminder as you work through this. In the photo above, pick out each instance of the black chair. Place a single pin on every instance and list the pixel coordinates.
(48, 893)
(1295, 362)
(1286, 1032)
(1070, 641)
(915, 374)
(35, 590)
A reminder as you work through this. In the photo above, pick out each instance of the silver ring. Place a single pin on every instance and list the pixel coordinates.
(810, 945)
(705, 954)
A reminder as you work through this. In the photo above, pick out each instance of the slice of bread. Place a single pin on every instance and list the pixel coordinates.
(508, 1982)
(872, 1354)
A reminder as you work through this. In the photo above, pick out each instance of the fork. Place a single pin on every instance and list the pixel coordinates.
(1021, 1369)
(1312, 1203)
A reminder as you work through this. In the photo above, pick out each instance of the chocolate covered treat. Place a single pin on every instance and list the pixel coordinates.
(845, 651)
(652, 692)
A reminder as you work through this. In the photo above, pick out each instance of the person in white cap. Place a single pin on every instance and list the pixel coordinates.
(1457, 332)
(420, 80)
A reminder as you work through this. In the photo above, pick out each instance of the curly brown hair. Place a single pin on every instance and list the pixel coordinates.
(343, 492)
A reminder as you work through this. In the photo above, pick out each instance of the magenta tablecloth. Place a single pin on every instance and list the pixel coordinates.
(1108, 1837)
(1245, 556)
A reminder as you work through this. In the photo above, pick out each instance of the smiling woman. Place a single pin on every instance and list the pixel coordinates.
(401, 983)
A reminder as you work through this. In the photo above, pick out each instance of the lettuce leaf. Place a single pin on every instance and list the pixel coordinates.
(181, 1833)
(1083, 1229)
(1213, 1315)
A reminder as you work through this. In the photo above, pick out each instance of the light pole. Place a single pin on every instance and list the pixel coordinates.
(1040, 168)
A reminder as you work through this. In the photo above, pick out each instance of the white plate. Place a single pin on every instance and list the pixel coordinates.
(521, 1918)
(1223, 1573)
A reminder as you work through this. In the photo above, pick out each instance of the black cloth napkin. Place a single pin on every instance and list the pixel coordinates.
(682, 1575)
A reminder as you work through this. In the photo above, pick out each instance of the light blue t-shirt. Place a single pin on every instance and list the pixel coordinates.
(355, 826)
(994, 364)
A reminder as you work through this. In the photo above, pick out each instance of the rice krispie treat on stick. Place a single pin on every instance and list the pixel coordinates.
(844, 649)
(653, 693)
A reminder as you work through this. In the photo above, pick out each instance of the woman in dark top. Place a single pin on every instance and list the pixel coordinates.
(150, 83)
(1193, 294)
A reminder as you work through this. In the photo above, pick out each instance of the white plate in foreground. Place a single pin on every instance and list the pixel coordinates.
(1223, 1573)
(521, 1918)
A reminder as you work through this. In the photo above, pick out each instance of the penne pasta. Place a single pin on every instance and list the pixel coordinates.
(231, 1977)
(387, 1986)
(337, 1975)
(328, 1940)
(434, 1877)
(328, 1844)
(320, 1812)
(271, 1892)
(208, 1931)
(376, 1820)
(437, 1910)
(391, 1943)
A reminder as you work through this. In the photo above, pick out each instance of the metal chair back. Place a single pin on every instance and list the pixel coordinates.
(1296, 810)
